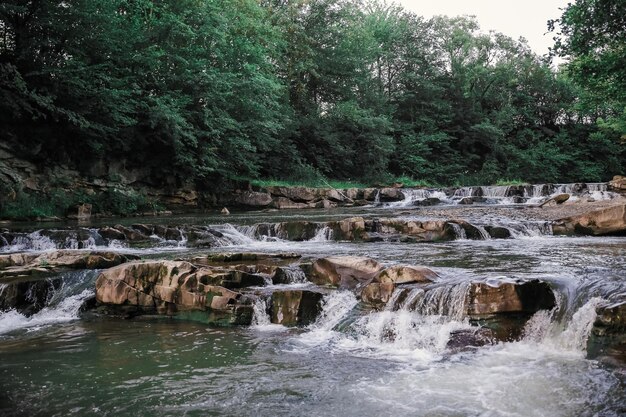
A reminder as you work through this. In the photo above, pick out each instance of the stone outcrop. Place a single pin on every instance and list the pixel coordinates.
(254, 199)
(618, 184)
(505, 297)
(40, 265)
(414, 230)
(379, 291)
(295, 307)
(606, 221)
(344, 271)
(172, 288)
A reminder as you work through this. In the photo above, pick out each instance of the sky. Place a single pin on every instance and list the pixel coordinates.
(513, 18)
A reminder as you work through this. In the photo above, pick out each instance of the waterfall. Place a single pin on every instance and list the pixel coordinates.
(293, 274)
(393, 300)
(445, 300)
(335, 307)
(571, 335)
(260, 317)
(63, 304)
(484, 235)
(459, 232)
(34, 241)
(324, 234)
(530, 229)
(232, 236)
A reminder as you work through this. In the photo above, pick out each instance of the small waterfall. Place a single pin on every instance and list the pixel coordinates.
(293, 274)
(463, 192)
(377, 198)
(34, 241)
(324, 234)
(260, 317)
(484, 234)
(413, 195)
(459, 232)
(571, 335)
(411, 299)
(446, 300)
(393, 300)
(335, 307)
(63, 304)
(530, 229)
(232, 236)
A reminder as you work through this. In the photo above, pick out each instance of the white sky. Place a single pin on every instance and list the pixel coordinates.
(513, 18)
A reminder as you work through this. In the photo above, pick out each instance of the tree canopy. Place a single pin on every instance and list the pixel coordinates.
(205, 90)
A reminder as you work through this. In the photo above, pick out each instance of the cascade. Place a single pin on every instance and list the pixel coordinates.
(63, 304)
(324, 234)
(260, 315)
(459, 232)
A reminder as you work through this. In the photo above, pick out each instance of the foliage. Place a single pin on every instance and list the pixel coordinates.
(204, 92)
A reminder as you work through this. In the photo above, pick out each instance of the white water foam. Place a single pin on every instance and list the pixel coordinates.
(324, 234)
(65, 311)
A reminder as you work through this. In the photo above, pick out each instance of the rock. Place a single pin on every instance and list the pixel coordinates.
(51, 263)
(431, 201)
(467, 339)
(369, 194)
(391, 194)
(80, 212)
(296, 230)
(283, 203)
(111, 233)
(406, 274)
(377, 294)
(254, 199)
(344, 271)
(172, 288)
(225, 211)
(295, 307)
(527, 297)
(608, 334)
(618, 183)
(295, 194)
(131, 234)
(379, 291)
(557, 199)
(497, 232)
(426, 231)
(606, 221)
(326, 204)
(348, 229)
(466, 200)
(471, 231)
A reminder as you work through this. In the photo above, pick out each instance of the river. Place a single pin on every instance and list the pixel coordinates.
(351, 361)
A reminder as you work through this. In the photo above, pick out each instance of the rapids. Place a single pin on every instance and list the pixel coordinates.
(352, 361)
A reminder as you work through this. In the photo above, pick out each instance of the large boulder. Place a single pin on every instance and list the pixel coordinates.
(391, 194)
(348, 229)
(295, 307)
(504, 297)
(379, 291)
(618, 183)
(172, 288)
(344, 271)
(606, 221)
(424, 231)
(406, 274)
(27, 296)
(254, 199)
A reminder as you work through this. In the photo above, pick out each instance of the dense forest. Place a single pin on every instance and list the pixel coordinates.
(212, 90)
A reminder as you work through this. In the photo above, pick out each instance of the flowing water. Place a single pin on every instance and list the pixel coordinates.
(350, 362)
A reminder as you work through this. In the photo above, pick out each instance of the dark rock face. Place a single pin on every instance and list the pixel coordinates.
(295, 307)
(497, 232)
(253, 199)
(527, 297)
